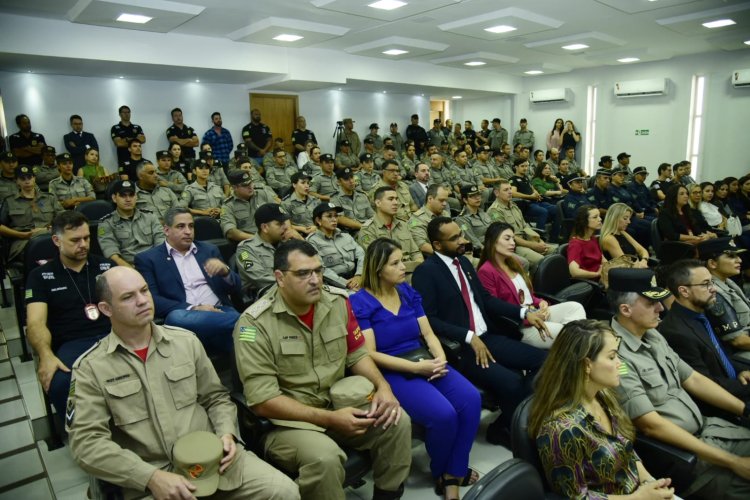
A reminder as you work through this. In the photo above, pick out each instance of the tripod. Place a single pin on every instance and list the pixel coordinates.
(338, 133)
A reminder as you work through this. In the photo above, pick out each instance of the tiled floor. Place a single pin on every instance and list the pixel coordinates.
(67, 481)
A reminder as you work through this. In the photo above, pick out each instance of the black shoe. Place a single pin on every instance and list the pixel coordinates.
(498, 434)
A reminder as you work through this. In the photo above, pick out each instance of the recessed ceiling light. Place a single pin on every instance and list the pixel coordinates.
(288, 38)
(475, 63)
(456, 97)
(575, 46)
(387, 4)
(134, 18)
(747, 42)
(30, 71)
(719, 23)
(197, 81)
(533, 72)
(121, 77)
(395, 52)
(422, 95)
(628, 59)
(503, 28)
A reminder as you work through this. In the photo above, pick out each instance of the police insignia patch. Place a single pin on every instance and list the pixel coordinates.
(247, 334)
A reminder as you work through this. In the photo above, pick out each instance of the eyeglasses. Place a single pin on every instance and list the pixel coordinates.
(305, 274)
(391, 170)
(707, 285)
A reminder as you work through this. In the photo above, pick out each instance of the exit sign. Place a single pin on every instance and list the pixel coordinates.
(643, 131)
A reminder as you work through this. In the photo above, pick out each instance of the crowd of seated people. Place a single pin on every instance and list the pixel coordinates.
(456, 212)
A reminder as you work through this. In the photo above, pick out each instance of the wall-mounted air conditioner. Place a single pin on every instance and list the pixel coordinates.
(741, 78)
(549, 95)
(641, 88)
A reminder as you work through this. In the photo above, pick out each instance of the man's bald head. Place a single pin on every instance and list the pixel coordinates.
(110, 283)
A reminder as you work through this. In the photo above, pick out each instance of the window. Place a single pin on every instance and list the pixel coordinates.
(589, 161)
(695, 126)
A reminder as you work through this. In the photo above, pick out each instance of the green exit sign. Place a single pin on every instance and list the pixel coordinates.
(643, 131)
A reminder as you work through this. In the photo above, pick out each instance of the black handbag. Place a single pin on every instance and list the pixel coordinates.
(419, 354)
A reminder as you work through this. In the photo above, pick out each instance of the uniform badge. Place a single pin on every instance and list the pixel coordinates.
(247, 334)
(100, 231)
(623, 370)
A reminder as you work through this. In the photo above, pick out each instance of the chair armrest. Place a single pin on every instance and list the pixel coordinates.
(252, 427)
(665, 460)
(452, 350)
(552, 299)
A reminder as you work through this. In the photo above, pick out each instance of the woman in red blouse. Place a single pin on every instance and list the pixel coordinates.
(585, 257)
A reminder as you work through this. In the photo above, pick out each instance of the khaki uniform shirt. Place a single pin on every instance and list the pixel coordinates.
(524, 137)
(278, 355)
(407, 166)
(255, 263)
(442, 176)
(467, 177)
(344, 160)
(25, 214)
(375, 228)
(240, 214)
(484, 171)
(497, 138)
(342, 256)
(8, 187)
(158, 200)
(367, 180)
(127, 237)
(404, 198)
(418, 225)
(327, 185)
(312, 169)
(280, 177)
(357, 206)
(353, 138)
(176, 180)
(218, 177)
(200, 198)
(44, 174)
(124, 415)
(511, 215)
(77, 187)
(474, 226)
(300, 211)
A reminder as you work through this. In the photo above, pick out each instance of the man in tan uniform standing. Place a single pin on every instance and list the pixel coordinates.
(140, 389)
(292, 345)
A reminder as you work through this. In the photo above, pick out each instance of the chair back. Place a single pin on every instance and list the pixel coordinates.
(552, 274)
(656, 238)
(512, 479)
(96, 209)
(40, 250)
(522, 445)
(567, 223)
(207, 228)
(563, 250)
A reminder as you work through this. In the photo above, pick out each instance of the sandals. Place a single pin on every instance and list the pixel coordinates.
(470, 478)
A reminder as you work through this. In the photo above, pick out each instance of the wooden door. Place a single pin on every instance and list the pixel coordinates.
(278, 112)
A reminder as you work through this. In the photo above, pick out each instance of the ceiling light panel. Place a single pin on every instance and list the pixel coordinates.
(385, 48)
(572, 44)
(575, 46)
(533, 72)
(395, 52)
(503, 23)
(635, 6)
(364, 8)
(387, 4)
(284, 31)
(628, 59)
(719, 23)
(489, 60)
(159, 16)
(696, 23)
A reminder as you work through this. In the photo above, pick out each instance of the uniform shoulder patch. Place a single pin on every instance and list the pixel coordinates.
(86, 353)
(336, 291)
(257, 308)
(107, 216)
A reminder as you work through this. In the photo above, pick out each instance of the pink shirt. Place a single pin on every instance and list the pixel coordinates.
(587, 254)
(197, 289)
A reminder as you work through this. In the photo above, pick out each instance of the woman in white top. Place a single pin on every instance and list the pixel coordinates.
(711, 212)
(304, 156)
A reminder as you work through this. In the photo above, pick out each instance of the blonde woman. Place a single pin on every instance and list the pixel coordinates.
(614, 238)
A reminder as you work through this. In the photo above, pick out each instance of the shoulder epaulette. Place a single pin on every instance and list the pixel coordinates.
(367, 223)
(336, 291)
(86, 353)
(260, 305)
(107, 216)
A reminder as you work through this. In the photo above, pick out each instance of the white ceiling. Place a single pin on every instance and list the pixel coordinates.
(446, 33)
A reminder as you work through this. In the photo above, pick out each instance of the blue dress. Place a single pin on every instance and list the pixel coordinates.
(448, 407)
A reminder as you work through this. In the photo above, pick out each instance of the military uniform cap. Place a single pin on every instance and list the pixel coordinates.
(617, 170)
(369, 140)
(345, 143)
(197, 456)
(574, 179)
(8, 157)
(270, 212)
(24, 171)
(640, 170)
(622, 155)
(162, 154)
(239, 178)
(241, 147)
(365, 157)
(711, 249)
(604, 159)
(352, 392)
(324, 207)
(202, 163)
(297, 176)
(469, 190)
(326, 157)
(50, 149)
(637, 281)
(484, 149)
(64, 157)
(204, 155)
(122, 187)
(604, 171)
(347, 120)
(344, 173)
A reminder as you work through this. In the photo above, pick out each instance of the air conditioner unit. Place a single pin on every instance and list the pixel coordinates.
(741, 78)
(641, 88)
(549, 95)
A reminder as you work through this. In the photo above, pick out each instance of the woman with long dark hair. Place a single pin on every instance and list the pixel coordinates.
(555, 136)
(678, 222)
(570, 137)
(585, 256)
(547, 184)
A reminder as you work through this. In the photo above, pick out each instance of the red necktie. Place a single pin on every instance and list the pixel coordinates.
(465, 294)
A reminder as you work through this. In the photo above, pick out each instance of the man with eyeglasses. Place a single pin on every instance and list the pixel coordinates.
(657, 389)
(292, 346)
(279, 176)
(688, 330)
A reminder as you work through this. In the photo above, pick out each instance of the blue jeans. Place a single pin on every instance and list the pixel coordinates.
(214, 329)
(60, 384)
(542, 212)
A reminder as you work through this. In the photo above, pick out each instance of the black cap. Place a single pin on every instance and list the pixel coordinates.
(640, 170)
(201, 164)
(270, 212)
(618, 170)
(162, 154)
(24, 171)
(604, 171)
(344, 173)
(365, 157)
(205, 155)
(296, 176)
(326, 157)
(604, 159)
(577, 178)
(469, 190)
(345, 143)
(622, 155)
(711, 249)
(369, 140)
(623, 279)
(242, 147)
(374, 125)
(239, 178)
(49, 149)
(8, 157)
(484, 149)
(63, 157)
(122, 187)
(324, 207)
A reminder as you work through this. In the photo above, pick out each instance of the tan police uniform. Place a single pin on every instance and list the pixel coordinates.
(175, 180)
(255, 263)
(277, 355)
(202, 198)
(8, 187)
(375, 228)
(158, 200)
(474, 226)
(300, 211)
(124, 415)
(357, 206)
(44, 174)
(76, 187)
(279, 178)
(218, 177)
(127, 237)
(418, 224)
(342, 256)
(240, 214)
(327, 185)
(25, 214)
(344, 160)
(404, 198)
(367, 180)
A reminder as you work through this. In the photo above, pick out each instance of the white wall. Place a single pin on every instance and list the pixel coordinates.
(666, 117)
(477, 110)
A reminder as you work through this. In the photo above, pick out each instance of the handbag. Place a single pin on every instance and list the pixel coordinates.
(626, 261)
(419, 354)
(734, 226)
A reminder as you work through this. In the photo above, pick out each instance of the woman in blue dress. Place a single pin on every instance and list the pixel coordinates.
(390, 314)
